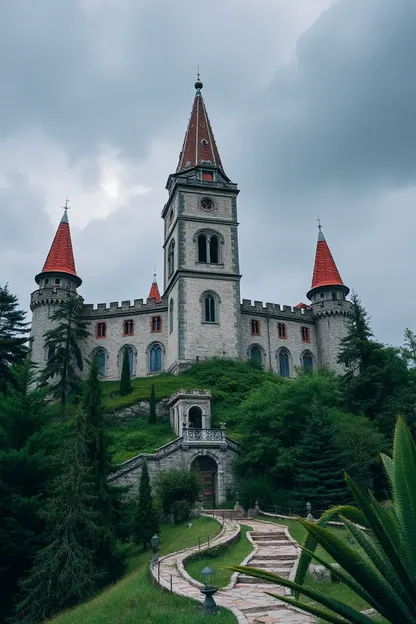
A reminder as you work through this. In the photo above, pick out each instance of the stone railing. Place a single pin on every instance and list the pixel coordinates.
(197, 436)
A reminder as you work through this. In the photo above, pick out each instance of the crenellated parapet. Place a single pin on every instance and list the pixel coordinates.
(50, 297)
(332, 308)
(258, 308)
(114, 308)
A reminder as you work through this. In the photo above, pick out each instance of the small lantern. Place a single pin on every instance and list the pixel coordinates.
(155, 543)
(208, 575)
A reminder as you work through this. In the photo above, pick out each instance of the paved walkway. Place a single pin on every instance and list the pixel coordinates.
(273, 550)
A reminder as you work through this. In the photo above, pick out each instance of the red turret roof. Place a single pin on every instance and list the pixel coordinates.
(325, 272)
(154, 290)
(199, 144)
(61, 257)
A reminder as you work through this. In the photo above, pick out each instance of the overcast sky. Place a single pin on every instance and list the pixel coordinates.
(312, 104)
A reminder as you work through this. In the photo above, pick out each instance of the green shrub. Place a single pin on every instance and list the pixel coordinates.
(177, 485)
(255, 488)
(181, 510)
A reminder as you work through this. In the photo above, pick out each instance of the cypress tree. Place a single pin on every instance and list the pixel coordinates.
(125, 381)
(146, 522)
(321, 463)
(13, 342)
(152, 412)
(64, 571)
(25, 471)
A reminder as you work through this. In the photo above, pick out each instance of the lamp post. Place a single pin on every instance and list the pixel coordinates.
(155, 547)
(209, 606)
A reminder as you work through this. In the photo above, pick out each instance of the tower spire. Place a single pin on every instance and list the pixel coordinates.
(199, 144)
(325, 272)
(154, 289)
(60, 258)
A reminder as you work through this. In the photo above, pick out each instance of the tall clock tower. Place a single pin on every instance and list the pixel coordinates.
(201, 266)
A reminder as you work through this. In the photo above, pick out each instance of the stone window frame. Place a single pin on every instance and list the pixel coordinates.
(255, 327)
(305, 333)
(120, 356)
(217, 301)
(128, 333)
(156, 321)
(209, 233)
(303, 354)
(171, 315)
(155, 343)
(171, 257)
(94, 354)
(282, 331)
(99, 327)
(290, 362)
(256, 345)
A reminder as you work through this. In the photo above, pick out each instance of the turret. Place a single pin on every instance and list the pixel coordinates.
(329, 304)
(57, 281)
(154, 290)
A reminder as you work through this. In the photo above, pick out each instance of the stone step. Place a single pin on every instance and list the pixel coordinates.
(266, 533)
(269, 537)
(259, 563)
(245, 579)
(259, 610)
(276, 542)
(280, 558)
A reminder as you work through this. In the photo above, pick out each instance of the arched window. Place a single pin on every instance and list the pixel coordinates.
(210, 315)
(130, 353)
(171, 258)
(155, 358)
(101, 361)
(202, 248)
(213, 249)
(256, 355)
(307, 361)
(171, 315)
(128, 328)
(195, 417)
(284, 366)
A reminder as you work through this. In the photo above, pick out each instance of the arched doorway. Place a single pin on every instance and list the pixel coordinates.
(195, 417)
(208, 471)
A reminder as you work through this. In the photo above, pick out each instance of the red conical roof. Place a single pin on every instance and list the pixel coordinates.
(154, 290)
(325, 272)
(199, 144)
(60, 258)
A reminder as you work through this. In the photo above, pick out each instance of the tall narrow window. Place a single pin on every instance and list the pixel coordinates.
(128, 328)
(202, 248)
(307, 361)
(101, 330)
(171, 315)
(281, 330)
(130, 354)
(100, 359)
(171, 258)
(284, 369)
(305, 333)
(156, 324)
(255, 327)
(213, 249)
(209, 309)
(155, 358)
(256, 355)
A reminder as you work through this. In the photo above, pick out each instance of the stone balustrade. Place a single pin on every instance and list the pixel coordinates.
(205, 436)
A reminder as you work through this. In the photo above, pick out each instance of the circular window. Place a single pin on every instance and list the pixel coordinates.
(207, 204)
(204, 142)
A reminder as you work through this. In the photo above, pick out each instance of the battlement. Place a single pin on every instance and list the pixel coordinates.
(114, 308)
(275, 310)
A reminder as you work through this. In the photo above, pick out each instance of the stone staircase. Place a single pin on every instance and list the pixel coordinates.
(274, 552)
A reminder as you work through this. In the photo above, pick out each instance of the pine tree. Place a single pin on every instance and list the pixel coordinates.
(146, 522)
(99, 461)
(25, 470)
(152, 412)
(409, 348)
(64, 571)
(357, 347)
(64, 354)
(320, 467)
(125, 381)
(13, 342)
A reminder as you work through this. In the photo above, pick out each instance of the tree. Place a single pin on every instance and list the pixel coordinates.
(356, 347)
(152, 412)
(125, 381)
(409, 348)
(64, 571)
(382, 570)
(146, 521)
(177, 485)
(99, 463)
(13, 330)
(25, 470)
(64, 354)
(321, 464)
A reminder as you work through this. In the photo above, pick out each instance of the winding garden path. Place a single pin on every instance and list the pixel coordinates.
(273, 550)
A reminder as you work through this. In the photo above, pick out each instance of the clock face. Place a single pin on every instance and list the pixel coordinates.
(207, 204)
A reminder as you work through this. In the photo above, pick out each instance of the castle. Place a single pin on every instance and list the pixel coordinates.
(200, 314)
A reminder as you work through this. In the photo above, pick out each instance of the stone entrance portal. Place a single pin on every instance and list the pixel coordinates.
(195, 417)
(208, 473)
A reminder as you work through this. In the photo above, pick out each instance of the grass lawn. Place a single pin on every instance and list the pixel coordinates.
(220, 558)
(331, 590)
(137, 436)
(135, 599)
